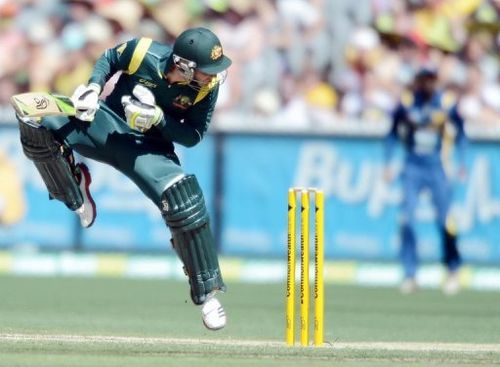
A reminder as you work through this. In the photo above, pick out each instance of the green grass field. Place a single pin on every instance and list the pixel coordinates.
(120, 322)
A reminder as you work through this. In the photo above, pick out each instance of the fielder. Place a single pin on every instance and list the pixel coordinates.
(164, 95)
(422, 120)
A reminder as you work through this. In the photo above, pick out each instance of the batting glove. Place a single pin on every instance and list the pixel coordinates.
(141, 112)
(86, 101)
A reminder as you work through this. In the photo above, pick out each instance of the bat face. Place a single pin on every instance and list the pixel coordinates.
(40, 104)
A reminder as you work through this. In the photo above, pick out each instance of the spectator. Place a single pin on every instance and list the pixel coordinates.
(366, 51)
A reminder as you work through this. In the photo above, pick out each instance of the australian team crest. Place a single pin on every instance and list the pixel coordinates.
(216, 52)
(182, 102)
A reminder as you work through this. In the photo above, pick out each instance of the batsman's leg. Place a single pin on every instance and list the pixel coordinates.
(55, 163)
(157, 172)
(186, 215)
(184, 211)
(50, 159)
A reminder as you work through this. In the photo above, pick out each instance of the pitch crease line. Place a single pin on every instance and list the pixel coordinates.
(395, 346)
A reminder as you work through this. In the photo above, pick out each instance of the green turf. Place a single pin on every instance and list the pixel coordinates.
(154, 308)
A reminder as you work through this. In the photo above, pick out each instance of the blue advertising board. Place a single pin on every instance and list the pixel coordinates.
(255, 174)
(361, 209)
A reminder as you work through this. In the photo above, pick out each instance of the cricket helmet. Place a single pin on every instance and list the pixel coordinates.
(200, 49)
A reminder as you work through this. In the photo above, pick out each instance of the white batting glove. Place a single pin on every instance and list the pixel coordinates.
(141, 111)
(86, 101)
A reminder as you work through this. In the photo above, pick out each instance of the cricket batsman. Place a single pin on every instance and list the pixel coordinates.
(164, 95)
(422, 121)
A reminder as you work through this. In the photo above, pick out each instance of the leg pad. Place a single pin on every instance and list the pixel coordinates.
(184, 211)
(51, 159)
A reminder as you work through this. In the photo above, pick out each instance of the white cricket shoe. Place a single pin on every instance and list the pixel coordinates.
(87, 212)
(452, 284)
(408, 286)
(213, 314)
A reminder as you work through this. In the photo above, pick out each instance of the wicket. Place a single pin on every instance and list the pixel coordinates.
(305, 195)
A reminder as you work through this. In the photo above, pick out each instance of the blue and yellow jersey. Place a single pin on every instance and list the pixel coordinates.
(143, 61)
(423, 126)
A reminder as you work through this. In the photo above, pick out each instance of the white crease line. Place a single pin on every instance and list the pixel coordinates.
(394, 346)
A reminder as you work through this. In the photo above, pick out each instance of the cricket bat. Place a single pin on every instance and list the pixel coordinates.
(40, 104)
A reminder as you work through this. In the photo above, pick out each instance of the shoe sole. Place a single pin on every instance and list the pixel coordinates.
(87, 180)
(213, 328)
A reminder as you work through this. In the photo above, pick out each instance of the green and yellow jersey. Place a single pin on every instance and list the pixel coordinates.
(187, 112)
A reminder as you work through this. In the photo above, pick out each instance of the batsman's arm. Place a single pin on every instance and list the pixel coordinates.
(112, 60)
(189, 130)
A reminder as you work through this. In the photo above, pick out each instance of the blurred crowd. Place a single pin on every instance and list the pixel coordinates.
(296, 63)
